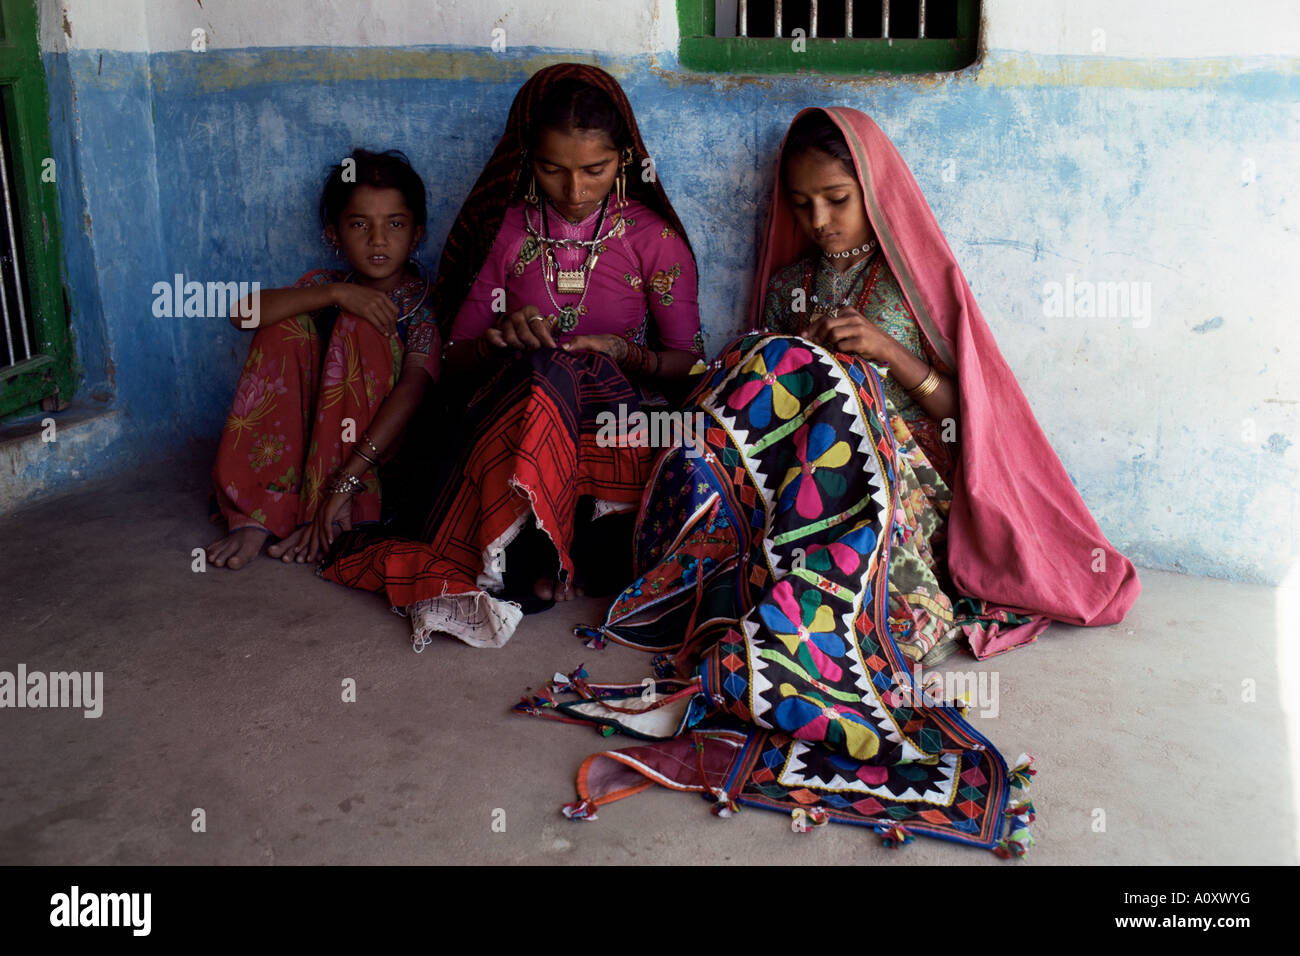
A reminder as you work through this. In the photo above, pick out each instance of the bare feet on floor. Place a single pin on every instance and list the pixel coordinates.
(549, 590)
(291, 548)
(237, 548)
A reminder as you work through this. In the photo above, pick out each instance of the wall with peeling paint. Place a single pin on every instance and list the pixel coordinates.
(1158, 153)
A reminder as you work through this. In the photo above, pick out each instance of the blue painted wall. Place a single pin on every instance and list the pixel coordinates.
(210, 165)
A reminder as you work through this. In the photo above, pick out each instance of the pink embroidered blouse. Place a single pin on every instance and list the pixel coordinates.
(644, 274)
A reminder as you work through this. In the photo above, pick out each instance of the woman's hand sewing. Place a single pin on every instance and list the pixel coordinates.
(524, 328)
(369, 304)
(850, 331)
(615, 346)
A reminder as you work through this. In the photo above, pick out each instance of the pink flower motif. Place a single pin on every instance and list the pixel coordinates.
(249, 394)
(818, 454)
(804, 627)
(334, 364)
(777, 383)
(253, 392)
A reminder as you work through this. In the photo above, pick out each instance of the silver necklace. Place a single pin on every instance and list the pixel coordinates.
(571, 243)
(569, 281)
(866, 247)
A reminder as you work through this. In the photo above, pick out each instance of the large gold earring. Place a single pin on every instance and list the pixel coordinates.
(530, 197)
(620, 183)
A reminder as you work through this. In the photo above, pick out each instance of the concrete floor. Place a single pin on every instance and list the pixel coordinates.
(223, 692)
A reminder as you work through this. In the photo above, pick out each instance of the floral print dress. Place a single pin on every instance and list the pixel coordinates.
(309, 388)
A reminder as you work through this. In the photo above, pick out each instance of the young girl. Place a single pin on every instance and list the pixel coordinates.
(306, 433)
(994, 532)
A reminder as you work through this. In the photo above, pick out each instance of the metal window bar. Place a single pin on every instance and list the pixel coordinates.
(741, 8)
(12, 269)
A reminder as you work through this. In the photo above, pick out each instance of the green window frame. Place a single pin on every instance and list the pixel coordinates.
(46, 378)
(700, 50)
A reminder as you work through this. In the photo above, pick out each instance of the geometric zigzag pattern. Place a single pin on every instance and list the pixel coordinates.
(764, 562)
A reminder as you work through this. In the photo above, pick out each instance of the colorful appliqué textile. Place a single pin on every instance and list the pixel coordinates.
(921, 596)
(875, 293)
(763, 558)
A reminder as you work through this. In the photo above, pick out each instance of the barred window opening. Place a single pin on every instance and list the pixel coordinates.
(845, 37)
(862, 19)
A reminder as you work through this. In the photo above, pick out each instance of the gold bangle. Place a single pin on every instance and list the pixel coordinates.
(927, 385)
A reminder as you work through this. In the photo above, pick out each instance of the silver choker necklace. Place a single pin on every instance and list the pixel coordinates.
(866, 247)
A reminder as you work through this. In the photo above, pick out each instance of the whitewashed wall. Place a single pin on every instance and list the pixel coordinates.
(1186, 28)
(1097, 141)
(610, 26)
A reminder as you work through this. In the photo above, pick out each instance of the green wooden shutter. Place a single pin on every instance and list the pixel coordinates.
(36, 360)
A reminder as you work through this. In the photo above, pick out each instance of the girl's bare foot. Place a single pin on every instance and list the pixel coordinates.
(291, 548)
(237, 548)
(549, 590)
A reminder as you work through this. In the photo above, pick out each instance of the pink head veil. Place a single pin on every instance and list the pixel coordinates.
(1019, 535)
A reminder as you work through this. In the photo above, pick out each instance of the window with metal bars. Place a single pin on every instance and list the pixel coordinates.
(19, 336)
(852, 37)
(36, 366)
